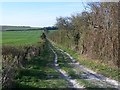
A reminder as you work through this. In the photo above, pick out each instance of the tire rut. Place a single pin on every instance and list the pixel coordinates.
(91, 76)
(72, 82)
(88, 75)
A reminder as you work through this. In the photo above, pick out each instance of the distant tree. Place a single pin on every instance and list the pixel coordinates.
(46, 31)
(64, 23)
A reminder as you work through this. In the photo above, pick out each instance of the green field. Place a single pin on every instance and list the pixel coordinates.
(20, 37)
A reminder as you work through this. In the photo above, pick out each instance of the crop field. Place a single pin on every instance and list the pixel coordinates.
(77, 50)
(20, 37)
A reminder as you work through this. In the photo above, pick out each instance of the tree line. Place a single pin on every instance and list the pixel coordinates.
(94, 32)
(26, 28)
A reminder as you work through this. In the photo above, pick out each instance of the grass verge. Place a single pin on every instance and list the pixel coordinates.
(65, 64)
(102, 68)
(39, 72)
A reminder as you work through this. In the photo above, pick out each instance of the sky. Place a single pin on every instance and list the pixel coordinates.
(37, 14)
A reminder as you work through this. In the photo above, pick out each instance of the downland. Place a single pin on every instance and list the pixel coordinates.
(87, 37)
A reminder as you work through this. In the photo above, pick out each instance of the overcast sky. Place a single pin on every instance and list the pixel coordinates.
(37, 13)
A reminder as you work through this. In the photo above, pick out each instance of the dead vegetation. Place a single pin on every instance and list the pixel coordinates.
(93, 33)
(14, 58)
